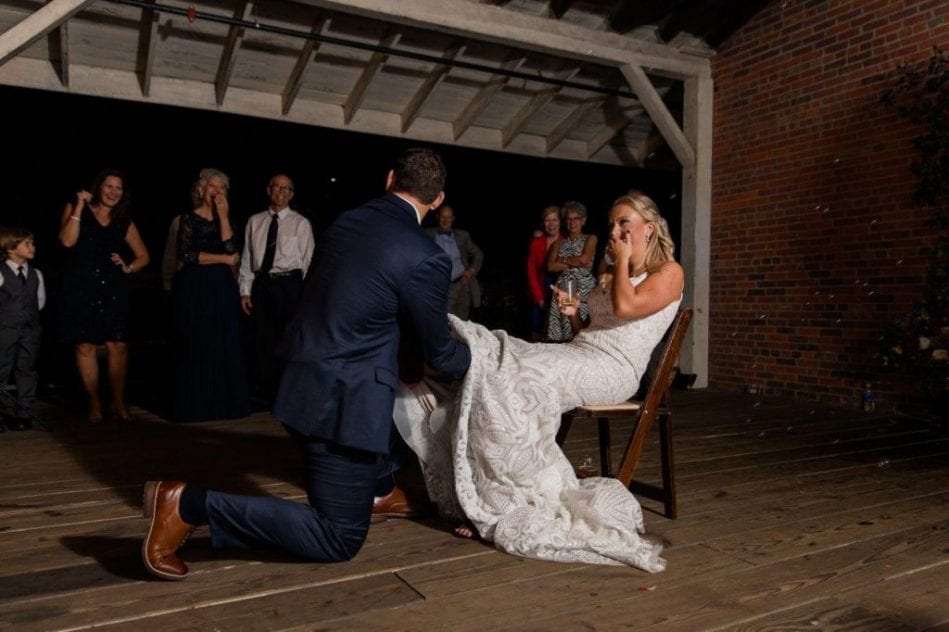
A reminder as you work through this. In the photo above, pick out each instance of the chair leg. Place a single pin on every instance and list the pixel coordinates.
(668, 464)
(565, 422)
(606, 462)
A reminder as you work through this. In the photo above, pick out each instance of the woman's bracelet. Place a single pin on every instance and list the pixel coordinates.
(75, 217)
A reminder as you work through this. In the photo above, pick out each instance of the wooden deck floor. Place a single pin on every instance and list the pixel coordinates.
(791, 517)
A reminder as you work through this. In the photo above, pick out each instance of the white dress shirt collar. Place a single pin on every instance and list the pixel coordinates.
(418, 216)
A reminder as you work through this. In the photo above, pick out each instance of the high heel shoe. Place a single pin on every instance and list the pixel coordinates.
(95, 418)
(122, 416)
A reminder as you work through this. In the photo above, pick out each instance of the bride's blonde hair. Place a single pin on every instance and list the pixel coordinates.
(661, 248)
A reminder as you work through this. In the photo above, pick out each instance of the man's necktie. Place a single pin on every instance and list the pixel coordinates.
(21, 275)
(271, 249)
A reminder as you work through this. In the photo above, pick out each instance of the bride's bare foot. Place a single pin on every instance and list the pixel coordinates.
(466, 531)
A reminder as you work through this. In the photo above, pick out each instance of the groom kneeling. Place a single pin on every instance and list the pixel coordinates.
(373, 268)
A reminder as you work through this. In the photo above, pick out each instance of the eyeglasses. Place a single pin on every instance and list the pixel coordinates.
(281, 188)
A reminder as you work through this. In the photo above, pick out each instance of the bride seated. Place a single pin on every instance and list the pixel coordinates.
(487, 444)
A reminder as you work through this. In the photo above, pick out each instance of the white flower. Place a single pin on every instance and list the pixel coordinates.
(924, 343)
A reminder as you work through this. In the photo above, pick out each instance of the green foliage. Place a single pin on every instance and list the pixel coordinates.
(919, 340)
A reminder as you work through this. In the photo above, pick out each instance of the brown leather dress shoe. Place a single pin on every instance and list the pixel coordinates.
(395, 504)
(167, 531)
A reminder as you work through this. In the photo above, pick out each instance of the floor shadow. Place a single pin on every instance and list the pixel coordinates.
(230, 456)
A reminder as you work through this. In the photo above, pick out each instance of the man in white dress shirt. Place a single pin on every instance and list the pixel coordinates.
(278, 246)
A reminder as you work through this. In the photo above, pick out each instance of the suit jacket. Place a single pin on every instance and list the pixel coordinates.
(471, 257)
(373, 269)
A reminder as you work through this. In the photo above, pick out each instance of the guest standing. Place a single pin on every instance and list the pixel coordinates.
(94, 296)
(278, 246)
(22, 296)
(571, 258)
(464, 293)
(211, 381)
(538, 278)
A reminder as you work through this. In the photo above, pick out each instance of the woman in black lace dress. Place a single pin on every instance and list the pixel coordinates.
(211, 381)
(104, 246)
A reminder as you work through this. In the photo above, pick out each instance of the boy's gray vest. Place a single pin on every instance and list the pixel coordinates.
(19, 304)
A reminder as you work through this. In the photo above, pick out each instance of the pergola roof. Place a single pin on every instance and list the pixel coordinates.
(583, 79)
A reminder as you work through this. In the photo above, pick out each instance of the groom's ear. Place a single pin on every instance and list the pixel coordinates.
(390, 179)
(438, 200)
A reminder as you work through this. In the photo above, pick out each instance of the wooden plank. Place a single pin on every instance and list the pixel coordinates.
(796, 502)
(20, 36)
(803, 537)
(826, 615)
(284, 609)
(606, 598)
(125, 592)
(517, 30)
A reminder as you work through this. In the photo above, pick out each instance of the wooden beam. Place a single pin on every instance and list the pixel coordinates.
(147, 44)
(475, 21)
(34, 26)
(608, 132)
(477, 105)
(539, 100)
(570, 123)
(229, 55)
(696, 225)
(307, 55)
(428, 86)
(659, 114)
(643, 151)
(353, 101)
(58, 41)
(125, 85)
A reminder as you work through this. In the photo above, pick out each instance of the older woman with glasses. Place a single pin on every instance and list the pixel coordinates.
(211, 381)
(571, 259)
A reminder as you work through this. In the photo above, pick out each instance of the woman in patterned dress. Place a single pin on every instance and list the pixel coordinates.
(571, 258)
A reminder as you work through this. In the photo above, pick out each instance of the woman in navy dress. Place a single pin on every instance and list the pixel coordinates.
(104, 246)
(211, 381)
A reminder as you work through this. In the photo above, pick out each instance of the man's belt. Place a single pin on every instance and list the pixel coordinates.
(282, 275)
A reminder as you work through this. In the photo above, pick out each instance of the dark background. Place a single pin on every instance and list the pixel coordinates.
(64, 140)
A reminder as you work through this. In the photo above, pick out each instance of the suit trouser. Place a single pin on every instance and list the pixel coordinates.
(19, 347)
(340, 485)
(275, 301)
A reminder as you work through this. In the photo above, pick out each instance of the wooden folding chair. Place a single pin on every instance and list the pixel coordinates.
(655, 405)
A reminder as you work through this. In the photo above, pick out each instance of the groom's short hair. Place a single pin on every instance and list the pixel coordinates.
(420, 172)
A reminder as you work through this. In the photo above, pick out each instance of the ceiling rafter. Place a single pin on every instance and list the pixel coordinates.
(307, 54)
(232, 44)
(147, 45)
(537, 101)
(58, 40)
(389, 39)
(477, 105)
(659, 113)
(608, 132)
(571, 122)
(37, 24)
(435, 77)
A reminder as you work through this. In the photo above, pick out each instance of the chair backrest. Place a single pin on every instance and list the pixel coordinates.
(657, 393)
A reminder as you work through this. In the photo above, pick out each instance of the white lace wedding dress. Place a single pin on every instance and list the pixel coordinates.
(488, 449)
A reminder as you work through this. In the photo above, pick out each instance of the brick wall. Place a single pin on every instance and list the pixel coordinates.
(816, 243)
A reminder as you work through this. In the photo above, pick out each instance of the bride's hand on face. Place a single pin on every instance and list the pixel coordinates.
(620, 247)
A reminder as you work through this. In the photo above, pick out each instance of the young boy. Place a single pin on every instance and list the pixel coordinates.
(22, 296)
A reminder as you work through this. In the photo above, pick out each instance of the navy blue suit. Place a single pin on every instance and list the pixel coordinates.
(372, 269)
